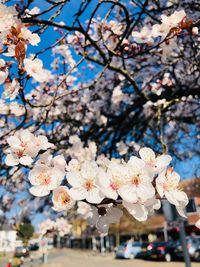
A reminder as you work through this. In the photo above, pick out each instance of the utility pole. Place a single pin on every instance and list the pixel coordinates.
(173, 217)
(184, 243)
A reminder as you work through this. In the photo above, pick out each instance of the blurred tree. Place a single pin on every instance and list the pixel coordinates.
(25, 230)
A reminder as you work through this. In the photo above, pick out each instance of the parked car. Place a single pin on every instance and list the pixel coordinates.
(167, 251)
(128, 250)
(33, 247)
(143, 252)
(193, 245)
(21, 251)
(197, 255)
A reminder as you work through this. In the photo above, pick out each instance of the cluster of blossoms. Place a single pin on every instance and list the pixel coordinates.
(24, 146)
(167, 32)
(14, 36)
(12, 108)
(60, 226)
(138, 184)
(98, 185)
(163, 34)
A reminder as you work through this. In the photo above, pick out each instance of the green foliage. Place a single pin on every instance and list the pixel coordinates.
(25, 231)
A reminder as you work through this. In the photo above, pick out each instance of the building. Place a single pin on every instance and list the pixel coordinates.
(7, 240)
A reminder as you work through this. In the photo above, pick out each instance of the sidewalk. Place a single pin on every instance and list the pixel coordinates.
(4, 259)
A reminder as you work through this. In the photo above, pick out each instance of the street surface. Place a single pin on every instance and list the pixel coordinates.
(79, 258)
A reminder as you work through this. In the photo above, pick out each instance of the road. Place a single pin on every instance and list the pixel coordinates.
(77, 258)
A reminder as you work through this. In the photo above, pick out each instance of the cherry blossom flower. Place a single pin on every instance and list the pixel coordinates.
(67, 55)
(46, 226)
(174, 19)
(3, 76)
(3, 72)
(109, 31)
(160, 30)
(122, 148)
(42, 143)
(62, 226)
(16, 109)
(117, 96)
(47, 175)
(33, 11)
(73, 165)
(168, 22)
(61, 199)
(11, 89)
(144, 36)
(34, 68)
(113, 179)
(32, 38)
(103, 217)
(78, 151)
(155, 164)
(167, 185)
(8, 17)
(195, 30)
(84, 183)
(83, 209)
(11, 51)
(138, 185)
(24, 146)
(167, 48)
(4, 108)
(44, 179)
(140, 211)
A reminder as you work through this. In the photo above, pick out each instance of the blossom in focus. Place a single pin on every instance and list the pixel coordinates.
(47, 176)
(155, 164)
(140, 211)
(138, 185)
(43, 180)
(61, 199)
(112, 179)
(84, 183)
(167, 185)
